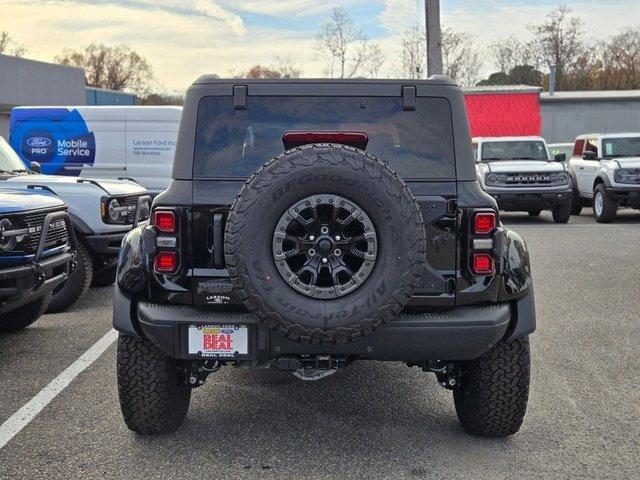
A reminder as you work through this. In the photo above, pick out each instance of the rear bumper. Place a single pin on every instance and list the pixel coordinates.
(458, 334)
(523, 201)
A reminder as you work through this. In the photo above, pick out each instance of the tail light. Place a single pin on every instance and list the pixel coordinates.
(165, 223)
(298, 138)
(166, 262)
(483, 264)
(483, 224)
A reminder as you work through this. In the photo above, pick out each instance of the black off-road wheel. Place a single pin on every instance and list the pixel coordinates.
(562, 213)
(76, 285)
(605, 207)
(491, 399)
(154, 394)
(24, 316)
(325, 243)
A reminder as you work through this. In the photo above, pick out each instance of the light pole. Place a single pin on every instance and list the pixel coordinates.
(434, 37)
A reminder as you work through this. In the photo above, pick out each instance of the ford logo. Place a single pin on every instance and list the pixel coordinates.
(38, 142)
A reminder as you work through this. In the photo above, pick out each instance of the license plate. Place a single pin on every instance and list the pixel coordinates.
(218, 340)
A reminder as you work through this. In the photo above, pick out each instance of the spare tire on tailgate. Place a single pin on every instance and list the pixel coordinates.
(324, 243)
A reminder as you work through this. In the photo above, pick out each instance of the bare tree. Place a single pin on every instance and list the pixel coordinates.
(115, 68)
(559, 41)
(286, 65)
(412, 53)
(461, 58)
(282, 67)
(346, 49)
(621, 60)
(9, 46)
(510, 52)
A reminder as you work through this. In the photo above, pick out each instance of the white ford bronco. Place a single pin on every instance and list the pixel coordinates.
(521, 175)
(605, 169)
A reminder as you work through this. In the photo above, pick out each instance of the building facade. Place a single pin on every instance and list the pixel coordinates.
(565, 115)
(26, 82)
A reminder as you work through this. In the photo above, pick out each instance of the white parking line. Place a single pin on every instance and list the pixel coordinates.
(33, 407)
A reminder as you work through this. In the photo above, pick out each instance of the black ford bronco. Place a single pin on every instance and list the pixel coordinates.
(312, 223)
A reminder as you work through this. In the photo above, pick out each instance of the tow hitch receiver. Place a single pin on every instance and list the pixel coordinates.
(312, 367)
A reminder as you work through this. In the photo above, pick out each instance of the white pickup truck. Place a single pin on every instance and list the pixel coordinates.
(520, 174)
(605, 168)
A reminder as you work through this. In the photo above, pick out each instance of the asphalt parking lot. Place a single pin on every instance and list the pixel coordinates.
(374, 420)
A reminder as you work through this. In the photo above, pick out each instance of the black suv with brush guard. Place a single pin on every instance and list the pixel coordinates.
(313, 223)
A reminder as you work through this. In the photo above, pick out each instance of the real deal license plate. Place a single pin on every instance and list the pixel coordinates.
(218, 340)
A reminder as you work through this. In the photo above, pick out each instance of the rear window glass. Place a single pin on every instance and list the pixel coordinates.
(234, 143)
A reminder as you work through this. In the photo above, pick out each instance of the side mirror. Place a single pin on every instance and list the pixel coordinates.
(560, 157)
(589, 155)
(35, 166)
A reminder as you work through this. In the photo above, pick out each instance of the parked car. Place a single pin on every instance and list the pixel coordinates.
(565, 149)
(99, 142)
(312, 223)
(37, 254)
(102, 212)
(605, 168)
(521, 175)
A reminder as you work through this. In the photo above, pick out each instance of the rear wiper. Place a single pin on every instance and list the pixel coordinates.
(21, 170)
(2, 170)
(525, 158)
(491, 158)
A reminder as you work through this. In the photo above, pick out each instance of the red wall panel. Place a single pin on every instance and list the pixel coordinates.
(500, 114)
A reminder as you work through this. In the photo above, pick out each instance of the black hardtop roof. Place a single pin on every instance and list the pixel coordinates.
(432, 80)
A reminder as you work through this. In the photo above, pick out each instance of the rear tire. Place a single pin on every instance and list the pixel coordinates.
(491, 400)
(154, 394)
(534, 213)
(76, 285)
(24, 316)
(605, 207)
(562, 213)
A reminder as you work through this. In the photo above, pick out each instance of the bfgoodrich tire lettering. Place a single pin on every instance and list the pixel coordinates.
(316, 170)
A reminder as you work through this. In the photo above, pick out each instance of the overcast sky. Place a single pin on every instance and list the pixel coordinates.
(185, 38)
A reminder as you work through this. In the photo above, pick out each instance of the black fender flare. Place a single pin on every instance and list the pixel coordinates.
(515, 269)
(133, 268)
(601, 178)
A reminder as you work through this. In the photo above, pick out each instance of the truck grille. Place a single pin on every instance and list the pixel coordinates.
(56, 236)
(528, 179)
(132, 201)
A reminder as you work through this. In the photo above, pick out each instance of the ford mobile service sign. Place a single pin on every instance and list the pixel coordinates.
(57, 138)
